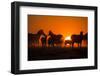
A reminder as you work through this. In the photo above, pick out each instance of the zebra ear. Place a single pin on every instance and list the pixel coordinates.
(81, 33)
(49, 31)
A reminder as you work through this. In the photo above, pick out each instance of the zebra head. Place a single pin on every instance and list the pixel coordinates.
(40, 32)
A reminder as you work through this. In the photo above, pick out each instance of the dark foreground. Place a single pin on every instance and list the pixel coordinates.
(52, 53)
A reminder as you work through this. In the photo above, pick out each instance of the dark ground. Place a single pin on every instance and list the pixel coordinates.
(52, 53)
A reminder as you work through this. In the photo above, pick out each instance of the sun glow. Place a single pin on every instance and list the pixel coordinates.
(68, 38)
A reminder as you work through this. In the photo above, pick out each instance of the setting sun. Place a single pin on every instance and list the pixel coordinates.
(68, 38)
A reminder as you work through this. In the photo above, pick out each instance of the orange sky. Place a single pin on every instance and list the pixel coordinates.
(65, 25)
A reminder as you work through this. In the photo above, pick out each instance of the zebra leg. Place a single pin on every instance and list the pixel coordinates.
(53, 44)
(72, 45)
(78, 45)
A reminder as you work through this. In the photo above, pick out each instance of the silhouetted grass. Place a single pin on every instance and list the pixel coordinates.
(52, 53)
